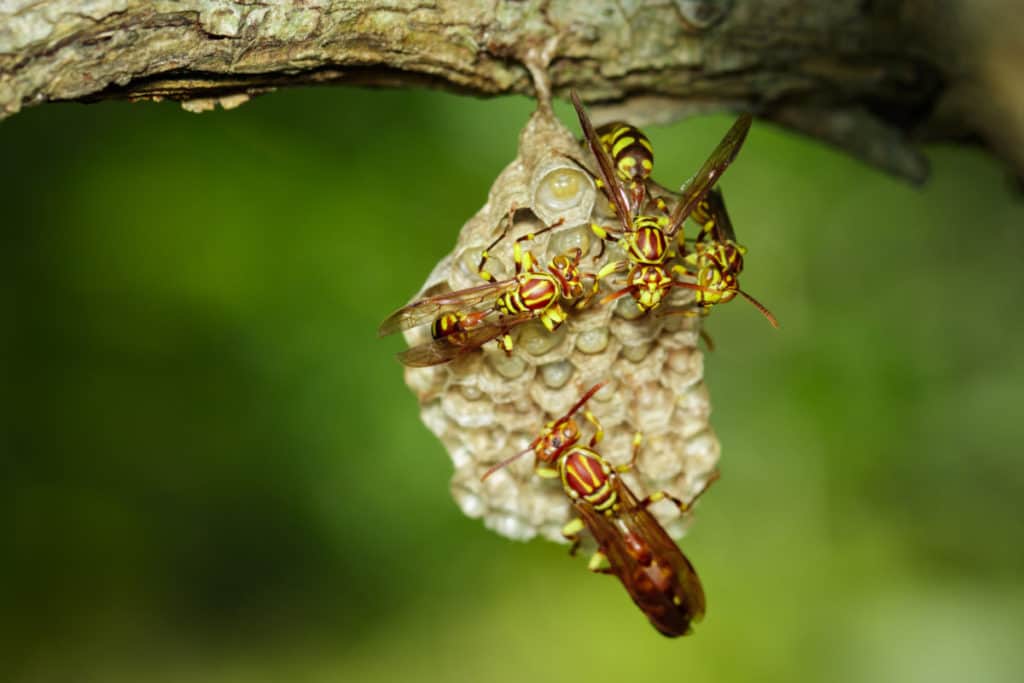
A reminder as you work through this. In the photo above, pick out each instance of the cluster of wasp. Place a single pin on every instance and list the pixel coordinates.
(657, 259)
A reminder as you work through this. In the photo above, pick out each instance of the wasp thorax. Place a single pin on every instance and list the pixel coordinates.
(561, 190)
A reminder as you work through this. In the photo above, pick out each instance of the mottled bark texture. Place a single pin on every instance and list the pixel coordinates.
(874, 78)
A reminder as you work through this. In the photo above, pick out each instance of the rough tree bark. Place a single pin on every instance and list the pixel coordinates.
(874, 78)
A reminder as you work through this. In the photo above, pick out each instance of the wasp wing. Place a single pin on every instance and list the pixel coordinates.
(710, 172)
(683, 590)
(428, 309)
(724, 231)
(640, 563)
(613, 188)
(446, 349)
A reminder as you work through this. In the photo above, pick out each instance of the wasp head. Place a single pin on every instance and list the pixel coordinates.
(649, 285)
(566, 269)
(558, 437)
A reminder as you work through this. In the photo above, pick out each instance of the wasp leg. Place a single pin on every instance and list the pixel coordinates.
(683, 507)
(533, 235)
(663, 495)
(571, 531)
(585, 301)
(609, 268)
(553, 317)
(524, 259)
(712, 478)
(505, 343)
(604, 233)
(599, 563)
(708, 341)
(599, 430)
(638, 439)
(661, 206)
(680, 269)
(486, 253)
(659, 495)
(618, 294)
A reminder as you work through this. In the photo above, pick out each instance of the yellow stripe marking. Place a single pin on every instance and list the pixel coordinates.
(621, 145)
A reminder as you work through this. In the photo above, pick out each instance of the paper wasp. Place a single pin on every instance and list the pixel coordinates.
(632, 156)
(717, 257)
(645, 238)
(632, 545)
(465, 320)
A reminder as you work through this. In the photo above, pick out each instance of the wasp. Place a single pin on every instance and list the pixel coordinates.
(647, 238)
(717, 258)
(465, 320)
(632, 156)
(632, 545)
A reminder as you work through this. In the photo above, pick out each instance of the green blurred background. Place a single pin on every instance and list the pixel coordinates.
(212, 470)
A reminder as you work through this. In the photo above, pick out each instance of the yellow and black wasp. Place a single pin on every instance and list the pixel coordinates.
(647, 238)
(716, 257)
(465, 320)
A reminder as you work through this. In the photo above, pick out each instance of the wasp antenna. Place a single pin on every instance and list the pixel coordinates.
(761, 307)
(507, 461)
(616, 295)
(583, 399)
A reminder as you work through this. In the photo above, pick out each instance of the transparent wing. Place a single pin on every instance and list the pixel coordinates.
(612, 186)
(427, 310)
(710, 172)
(685, 593)
(723, 224)
(657, 577)
(446, 349)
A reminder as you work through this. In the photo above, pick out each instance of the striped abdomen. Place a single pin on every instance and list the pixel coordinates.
(536, 292)
(701, 213)
(586, 476)
(630, 150)
(448, 325)
(647, 244)
(453, 327)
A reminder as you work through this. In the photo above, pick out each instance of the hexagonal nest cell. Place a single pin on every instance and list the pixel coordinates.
(486, 405)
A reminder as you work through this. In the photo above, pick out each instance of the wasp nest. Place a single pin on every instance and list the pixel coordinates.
(486, 405)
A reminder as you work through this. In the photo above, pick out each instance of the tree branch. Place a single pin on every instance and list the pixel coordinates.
(870, 77)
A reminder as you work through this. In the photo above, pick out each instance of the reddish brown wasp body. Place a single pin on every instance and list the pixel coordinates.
(465, 320)
(631, 542)
(646, 239)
